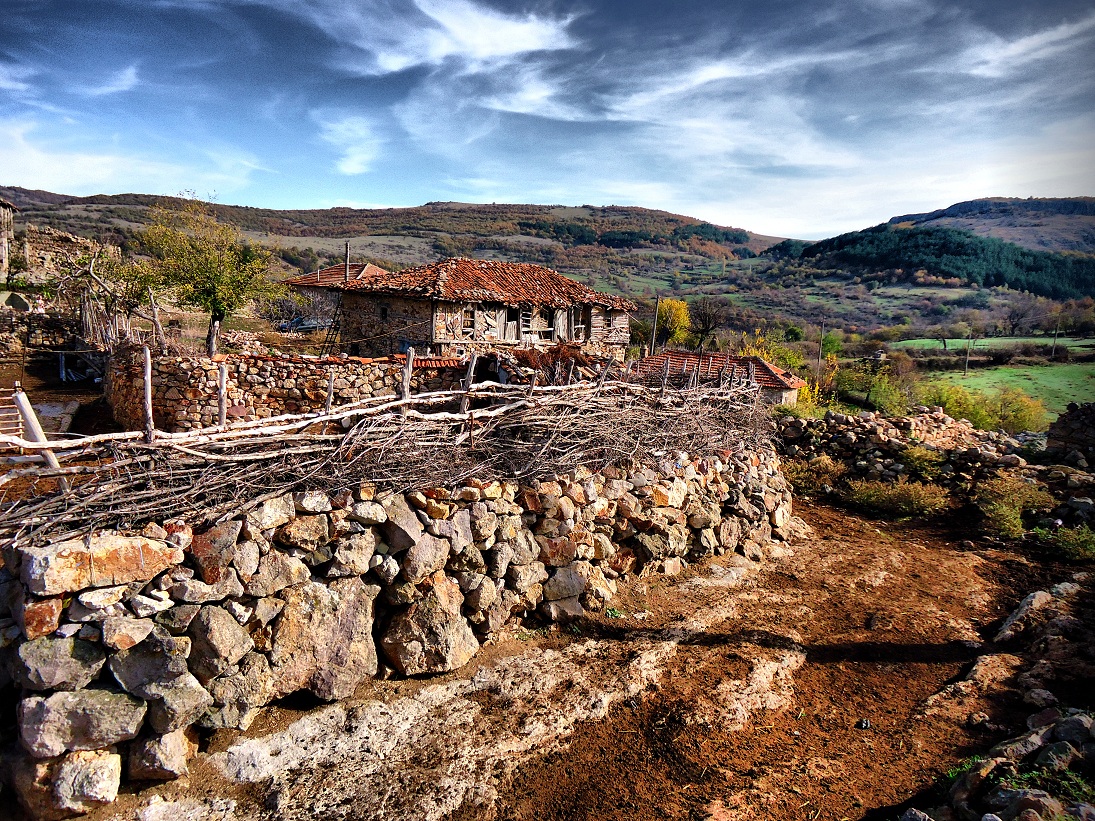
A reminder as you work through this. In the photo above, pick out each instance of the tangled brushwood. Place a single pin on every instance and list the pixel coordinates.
(122, 481)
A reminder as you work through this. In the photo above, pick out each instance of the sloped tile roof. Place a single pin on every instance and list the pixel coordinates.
(478, 280)
(768, 375)
(335, 275)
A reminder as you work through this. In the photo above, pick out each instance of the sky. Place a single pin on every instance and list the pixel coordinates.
(787, 118)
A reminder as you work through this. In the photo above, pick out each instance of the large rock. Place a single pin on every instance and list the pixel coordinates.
(323, 639)
(219, 642)
(239, 697)
(122, 632)
(32, 780)
(431, 636)
(83, 720)
(177, 703)
(214, 550)
(160, 757)
(197, 592)
(522, 577)
(102, 560)
(37, 617)
(272, 513)
(353, 554)
(567, 582)
(276, 572)
(159, 659)
(87, 779)
(305, 532)
(57, 664)
(425, 557)
(403, 528)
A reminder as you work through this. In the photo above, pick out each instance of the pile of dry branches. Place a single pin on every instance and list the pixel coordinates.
(517, 432)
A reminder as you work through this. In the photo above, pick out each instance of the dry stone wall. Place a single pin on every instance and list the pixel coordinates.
(185, 389)
(1074, 431)
(122, 648)
(872, 446)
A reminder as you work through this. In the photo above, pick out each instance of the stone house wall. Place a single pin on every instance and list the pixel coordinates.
(375, 325)
(154, 633)
(48, 250)
(379, 325)
(185, 389)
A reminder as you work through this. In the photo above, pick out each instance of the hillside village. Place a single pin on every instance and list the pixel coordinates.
(429, 540)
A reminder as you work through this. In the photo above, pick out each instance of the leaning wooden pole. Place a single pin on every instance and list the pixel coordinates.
(149, 424)
(469, 377)
(222, 395)
(408, 370)
(33, 429)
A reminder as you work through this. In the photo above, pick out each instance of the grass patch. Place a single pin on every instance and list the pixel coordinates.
(1056, 385)
(901, 499)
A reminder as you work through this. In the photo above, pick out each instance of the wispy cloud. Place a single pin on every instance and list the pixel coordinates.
(34, 160)
(355, 138)
(124, 80)
(999, 57)
(14, 77)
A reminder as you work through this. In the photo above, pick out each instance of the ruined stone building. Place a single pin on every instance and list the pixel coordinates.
(321, 287)
(7, 234)
(777, 386)
(456, 306)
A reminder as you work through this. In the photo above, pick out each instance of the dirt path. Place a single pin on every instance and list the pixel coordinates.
(792, 690)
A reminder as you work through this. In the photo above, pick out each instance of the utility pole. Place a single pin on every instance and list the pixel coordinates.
(654, 327)
(820, 353)
(969, 342)
(1057, 330)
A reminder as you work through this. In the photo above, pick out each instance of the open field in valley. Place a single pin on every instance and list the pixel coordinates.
(1056, 384)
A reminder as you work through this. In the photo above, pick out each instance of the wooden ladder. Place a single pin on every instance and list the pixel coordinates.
(330, 342)
(11, 423)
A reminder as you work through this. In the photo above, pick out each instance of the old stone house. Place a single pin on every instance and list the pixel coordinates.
(455, 306)
(7, 234)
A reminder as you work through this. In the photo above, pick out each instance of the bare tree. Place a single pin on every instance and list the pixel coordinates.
(708, 316)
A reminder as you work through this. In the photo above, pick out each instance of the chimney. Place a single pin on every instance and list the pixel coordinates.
(346, 271)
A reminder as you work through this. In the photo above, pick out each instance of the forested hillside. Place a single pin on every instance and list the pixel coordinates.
(952, 254)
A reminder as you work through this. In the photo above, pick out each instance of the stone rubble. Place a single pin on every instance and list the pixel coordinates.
(122, 643)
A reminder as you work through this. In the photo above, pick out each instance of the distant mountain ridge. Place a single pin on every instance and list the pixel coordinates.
(1041, 224)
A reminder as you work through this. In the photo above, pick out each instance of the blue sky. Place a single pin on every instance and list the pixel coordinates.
(788, 117)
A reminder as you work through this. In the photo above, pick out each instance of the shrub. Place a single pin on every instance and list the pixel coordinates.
(903, 498)
(811, 477)
(1003, 501)
(1073, 543)
(922, 463)
(1009, 409)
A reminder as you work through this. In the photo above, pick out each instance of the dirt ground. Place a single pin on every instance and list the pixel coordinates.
(795, 689)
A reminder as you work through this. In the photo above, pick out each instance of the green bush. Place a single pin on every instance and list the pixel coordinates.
(809, 478)
(902, 498)
(922, 463)
(1003, 501)
(1008, 409)
(1076, 544)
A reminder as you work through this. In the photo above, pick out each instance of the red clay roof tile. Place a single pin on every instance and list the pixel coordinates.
(767, 375)
(335, 275)
(478, 280)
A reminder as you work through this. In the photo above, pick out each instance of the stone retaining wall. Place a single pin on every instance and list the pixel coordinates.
(1074, 430)
(184, 389)
(126, 647)
(872, 446)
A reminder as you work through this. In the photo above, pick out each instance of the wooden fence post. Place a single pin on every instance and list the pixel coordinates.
(34, 430)
(465, 400)
(330, 391)
(222, 395)
(149, 425)
(408, 369)
(665, 376)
